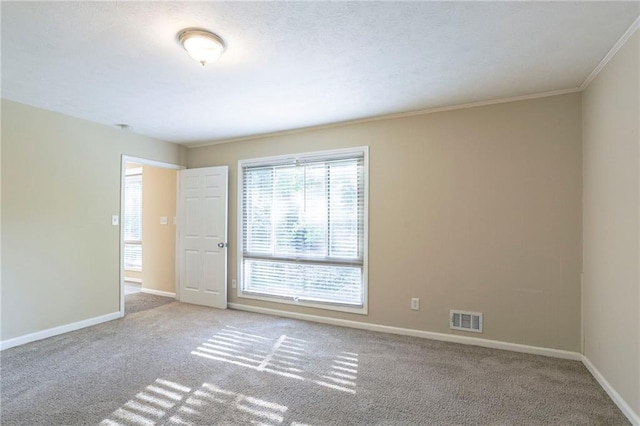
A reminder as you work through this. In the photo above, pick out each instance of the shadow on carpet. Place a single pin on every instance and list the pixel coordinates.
(138, 302)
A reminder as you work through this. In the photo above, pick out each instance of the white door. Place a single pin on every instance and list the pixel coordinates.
(203, 236)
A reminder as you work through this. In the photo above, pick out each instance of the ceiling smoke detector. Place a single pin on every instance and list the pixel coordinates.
(203, 46)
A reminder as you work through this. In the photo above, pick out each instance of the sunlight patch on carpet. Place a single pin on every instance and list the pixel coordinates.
(165, 401)
(284, 356)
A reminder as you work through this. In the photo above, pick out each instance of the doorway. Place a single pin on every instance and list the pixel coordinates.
(148, 233)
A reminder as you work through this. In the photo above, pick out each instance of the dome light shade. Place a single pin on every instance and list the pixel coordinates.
(203, 46)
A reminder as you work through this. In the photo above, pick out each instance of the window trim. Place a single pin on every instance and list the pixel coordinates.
(289, 159)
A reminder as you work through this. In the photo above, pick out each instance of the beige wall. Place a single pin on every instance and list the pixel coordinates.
(60, 187)
(476, 209)
(612, 222)
(158, 241)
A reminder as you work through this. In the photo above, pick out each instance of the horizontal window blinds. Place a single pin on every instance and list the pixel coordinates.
(132, 222)
(303, 229)
(133, 256)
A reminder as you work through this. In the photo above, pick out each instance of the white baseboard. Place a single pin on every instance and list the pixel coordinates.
(39, 335)
(454, 338)
(158, 292)
(633, 417)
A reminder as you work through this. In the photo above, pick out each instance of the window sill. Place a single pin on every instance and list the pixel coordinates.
(360, 310)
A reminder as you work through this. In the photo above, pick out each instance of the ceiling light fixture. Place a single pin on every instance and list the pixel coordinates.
(203, 46)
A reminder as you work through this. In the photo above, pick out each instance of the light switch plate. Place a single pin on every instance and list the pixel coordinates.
(114, 220)
(163, 220)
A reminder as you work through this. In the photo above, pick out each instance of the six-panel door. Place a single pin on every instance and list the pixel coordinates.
(203, 236)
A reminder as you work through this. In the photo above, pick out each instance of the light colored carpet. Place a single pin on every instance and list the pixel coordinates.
(136, 302)
(131, 288)
(181, 364)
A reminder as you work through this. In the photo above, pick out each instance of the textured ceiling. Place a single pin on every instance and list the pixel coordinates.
(291, 65)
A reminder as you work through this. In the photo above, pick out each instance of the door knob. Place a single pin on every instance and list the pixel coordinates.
(222, 245)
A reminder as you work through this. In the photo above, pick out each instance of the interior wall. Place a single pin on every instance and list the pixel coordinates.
(159, 188)
(612, 222)
(475, 209)
(60, 187)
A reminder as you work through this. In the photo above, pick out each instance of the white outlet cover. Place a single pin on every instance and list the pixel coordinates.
(415, 304)
(163, 220)
(115, 220)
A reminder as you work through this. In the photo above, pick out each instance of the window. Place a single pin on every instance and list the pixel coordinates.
(133, 219)
(303, 229)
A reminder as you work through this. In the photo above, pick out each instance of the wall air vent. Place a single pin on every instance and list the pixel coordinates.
(466, 321)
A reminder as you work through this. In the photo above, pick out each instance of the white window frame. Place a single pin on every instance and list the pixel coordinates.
(292, 158)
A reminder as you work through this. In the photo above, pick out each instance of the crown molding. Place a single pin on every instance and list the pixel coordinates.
(387, 117)
(625, 37)
(616, 47)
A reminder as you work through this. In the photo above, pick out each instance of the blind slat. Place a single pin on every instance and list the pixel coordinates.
(132, 256)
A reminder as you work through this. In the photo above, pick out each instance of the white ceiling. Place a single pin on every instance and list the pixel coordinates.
(292, 65)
